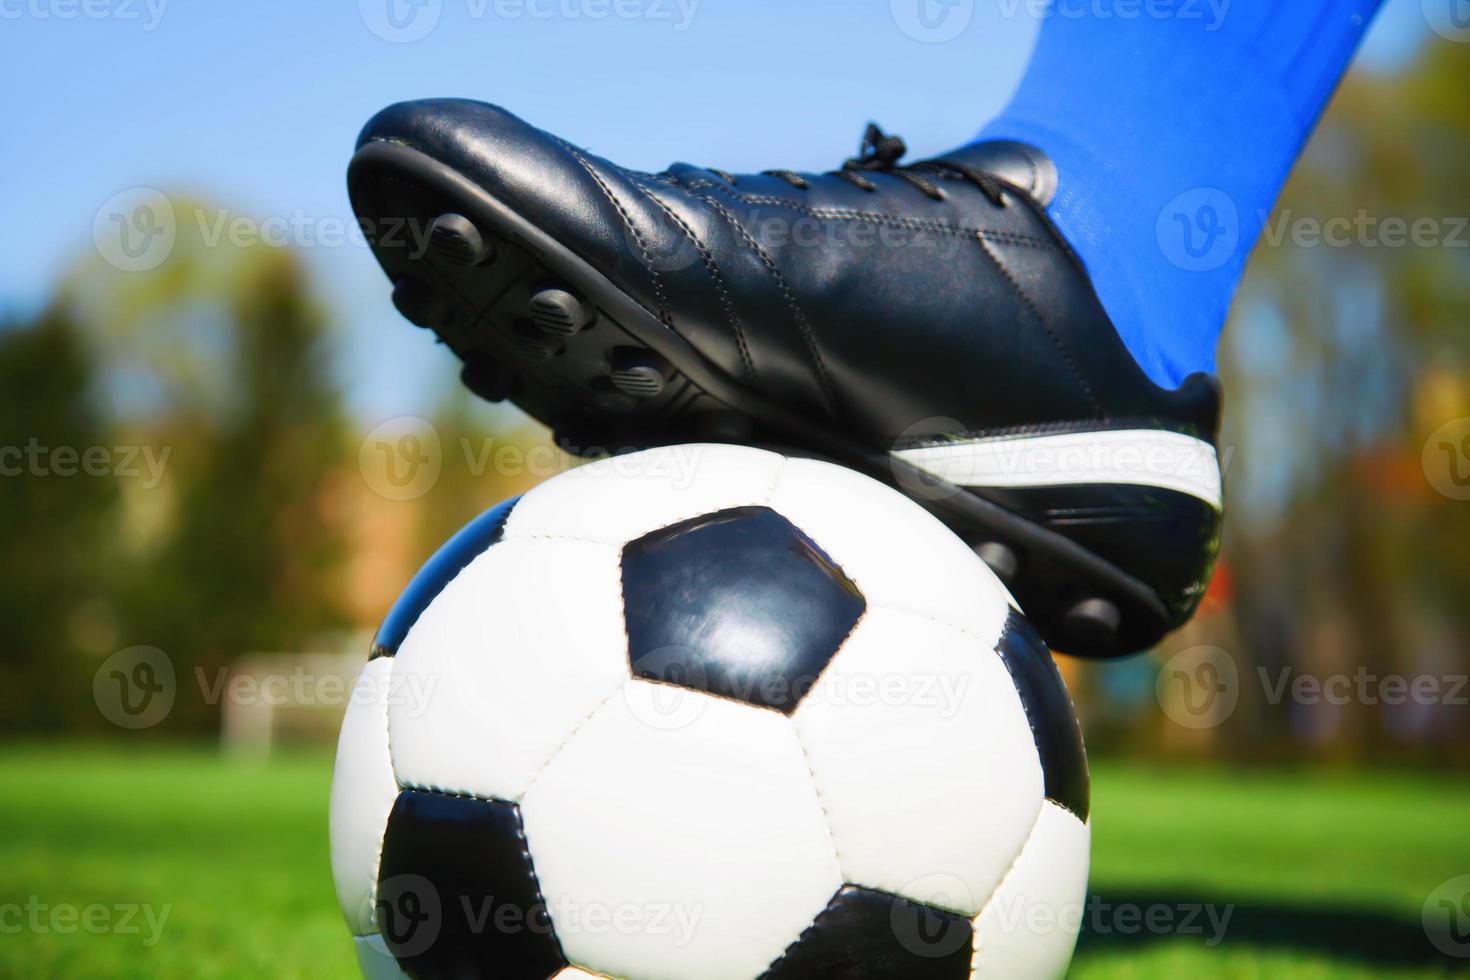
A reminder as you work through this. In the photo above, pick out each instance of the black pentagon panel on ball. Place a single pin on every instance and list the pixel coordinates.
(864, 934)
(457, 893)
(739, 604)
(467, 544)
(1049, 710)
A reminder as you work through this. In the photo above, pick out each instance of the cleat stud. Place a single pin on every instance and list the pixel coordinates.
(487, 378)
(558, 311)
(726, 427)
(640, 381)
(640, 373)
(419, 304)
(1002, 559)
(532, 343)
(582, 439)
(455, 239)
(1093, 622)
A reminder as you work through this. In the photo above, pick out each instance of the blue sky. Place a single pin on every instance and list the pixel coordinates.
(254, 106)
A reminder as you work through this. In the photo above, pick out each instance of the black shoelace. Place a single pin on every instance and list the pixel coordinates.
(880, 153)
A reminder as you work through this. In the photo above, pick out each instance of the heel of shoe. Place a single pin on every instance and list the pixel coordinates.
(1165, 539)
(1106, 536)
(1102, 570)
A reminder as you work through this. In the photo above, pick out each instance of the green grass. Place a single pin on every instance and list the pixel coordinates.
(1323, 875)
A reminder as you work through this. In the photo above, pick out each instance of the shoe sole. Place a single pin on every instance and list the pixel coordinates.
(534, 322)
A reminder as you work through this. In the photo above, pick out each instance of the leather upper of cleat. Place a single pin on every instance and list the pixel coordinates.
(1015, 163)
(930, 312)
(860, 298)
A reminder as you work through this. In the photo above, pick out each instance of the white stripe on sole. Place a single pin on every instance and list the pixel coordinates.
(1132, 457)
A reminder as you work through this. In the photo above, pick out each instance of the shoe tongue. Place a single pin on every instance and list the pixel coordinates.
(1017, 163)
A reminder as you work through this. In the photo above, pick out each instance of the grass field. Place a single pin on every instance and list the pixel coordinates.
(1321, 875)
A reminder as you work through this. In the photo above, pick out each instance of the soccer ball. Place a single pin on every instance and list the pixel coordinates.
(708, 712)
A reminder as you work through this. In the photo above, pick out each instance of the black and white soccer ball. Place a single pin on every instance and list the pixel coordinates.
(707, 712)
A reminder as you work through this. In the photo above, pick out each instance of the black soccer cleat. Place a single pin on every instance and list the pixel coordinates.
(925, 323)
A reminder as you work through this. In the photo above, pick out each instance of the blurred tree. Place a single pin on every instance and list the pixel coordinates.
(490, 454)
(217, 362)
(57, 551)
(250, 557)
(1345, 355)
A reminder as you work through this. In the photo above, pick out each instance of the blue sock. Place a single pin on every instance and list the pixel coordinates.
(1172, 136)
